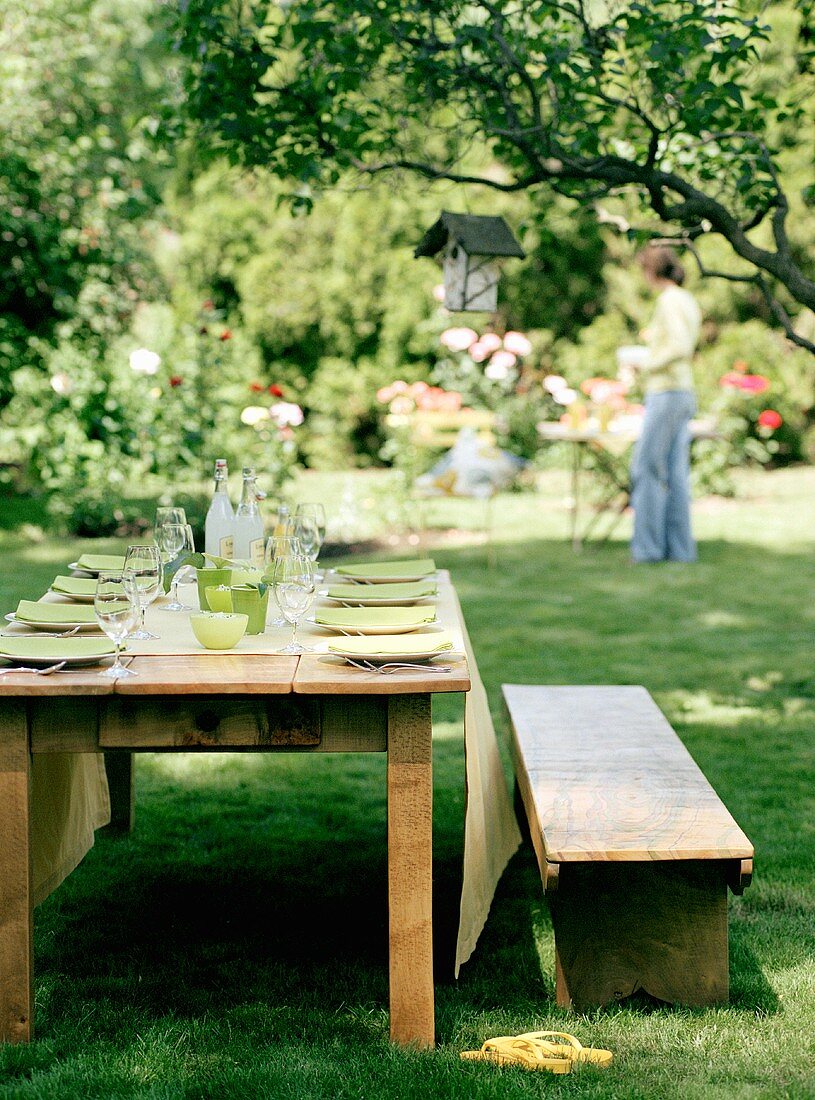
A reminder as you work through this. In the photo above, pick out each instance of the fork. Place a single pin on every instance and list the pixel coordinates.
(390, 667)
(41, 634)
(45, 671)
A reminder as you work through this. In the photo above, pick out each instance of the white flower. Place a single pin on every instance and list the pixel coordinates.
(565, 396)
(496, 372)
(144, 361)
(62, 383)
(517, 343)
(458, 339)
(491, 341)
(286, 414)
(555, 382)
(503, 361)
(254, 414)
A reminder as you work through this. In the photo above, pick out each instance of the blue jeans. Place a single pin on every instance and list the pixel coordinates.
(660, 476)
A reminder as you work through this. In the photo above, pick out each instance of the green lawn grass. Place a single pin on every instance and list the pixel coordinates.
(235, 944)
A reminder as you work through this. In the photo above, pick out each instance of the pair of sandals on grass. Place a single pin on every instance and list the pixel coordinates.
(555, 1051)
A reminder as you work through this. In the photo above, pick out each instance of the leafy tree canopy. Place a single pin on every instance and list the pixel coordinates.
(596, 99)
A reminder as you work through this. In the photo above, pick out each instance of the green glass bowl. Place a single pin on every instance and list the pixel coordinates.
(211, 578)
(220, 599)
(215, 630)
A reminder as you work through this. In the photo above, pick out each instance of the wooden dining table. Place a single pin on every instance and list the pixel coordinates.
(205, 702)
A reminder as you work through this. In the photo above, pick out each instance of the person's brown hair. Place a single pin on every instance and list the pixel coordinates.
(661, 263)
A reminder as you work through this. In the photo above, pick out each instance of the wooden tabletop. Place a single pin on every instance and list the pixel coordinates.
(235, 673)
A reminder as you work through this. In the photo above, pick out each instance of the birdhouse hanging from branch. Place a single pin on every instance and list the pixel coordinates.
(471, 246)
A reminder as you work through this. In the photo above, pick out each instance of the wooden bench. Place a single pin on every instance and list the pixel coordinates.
(635, 848)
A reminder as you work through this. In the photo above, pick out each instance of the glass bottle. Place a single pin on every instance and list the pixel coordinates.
(248, 523)
(220, 521)
(283, 519)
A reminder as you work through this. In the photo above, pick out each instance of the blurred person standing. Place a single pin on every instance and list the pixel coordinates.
(660, 468)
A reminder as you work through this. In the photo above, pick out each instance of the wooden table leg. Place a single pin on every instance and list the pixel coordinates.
(119, 768)
(410, 870)
(16, 926)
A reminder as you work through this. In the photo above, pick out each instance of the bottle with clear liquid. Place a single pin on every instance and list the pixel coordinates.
(248, 528)
(283, 519)
(220, 522)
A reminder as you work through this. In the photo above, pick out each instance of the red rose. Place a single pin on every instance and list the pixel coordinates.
(770, 419)
(225, 335)
(275, 390)
(256, 387)
(175, 380)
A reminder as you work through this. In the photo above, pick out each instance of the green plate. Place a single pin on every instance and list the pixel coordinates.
(48, 650)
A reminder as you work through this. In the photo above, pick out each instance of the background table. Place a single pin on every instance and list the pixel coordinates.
(608, 450)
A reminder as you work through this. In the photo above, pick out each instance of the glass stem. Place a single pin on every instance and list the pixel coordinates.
(294, 633)
(116, 662)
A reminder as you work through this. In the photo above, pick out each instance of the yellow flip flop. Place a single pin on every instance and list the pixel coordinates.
(559, 1044)
(519, 1050)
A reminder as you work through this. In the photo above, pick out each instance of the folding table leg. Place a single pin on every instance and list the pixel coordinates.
(410, 869)
(16, 925)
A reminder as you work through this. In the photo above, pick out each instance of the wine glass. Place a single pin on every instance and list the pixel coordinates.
(174, 539)
(315, 513)
(144, 562)
(117, 608)
(294, 590)
(279, 546)
(169, 514)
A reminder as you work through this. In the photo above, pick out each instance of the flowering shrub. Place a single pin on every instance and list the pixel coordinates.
(747, 417)
(496, 373)
(158, 404)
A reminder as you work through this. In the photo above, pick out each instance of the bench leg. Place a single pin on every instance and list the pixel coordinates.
(656, 927)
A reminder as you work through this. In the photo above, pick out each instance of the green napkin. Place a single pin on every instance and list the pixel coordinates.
(416, 567)
(97, 563)
(57, 649)
(355, 618)
(32, 611)
(410, 590)
(401, 645)
(74, 586)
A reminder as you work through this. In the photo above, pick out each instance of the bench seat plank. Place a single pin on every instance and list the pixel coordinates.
(610, 780)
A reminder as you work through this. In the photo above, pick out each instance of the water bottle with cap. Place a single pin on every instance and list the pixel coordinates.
(249, 523)
(218, 528)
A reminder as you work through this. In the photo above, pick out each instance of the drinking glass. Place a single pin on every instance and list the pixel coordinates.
(305, 529)
(280, 546)
(317, 513)
(144, 562)
(169, 514)
(117, 608)
(294, 591)
(174, 539)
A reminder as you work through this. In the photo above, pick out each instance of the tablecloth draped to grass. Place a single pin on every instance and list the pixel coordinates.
(70, 797)
(491, 833)
(69, 801)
